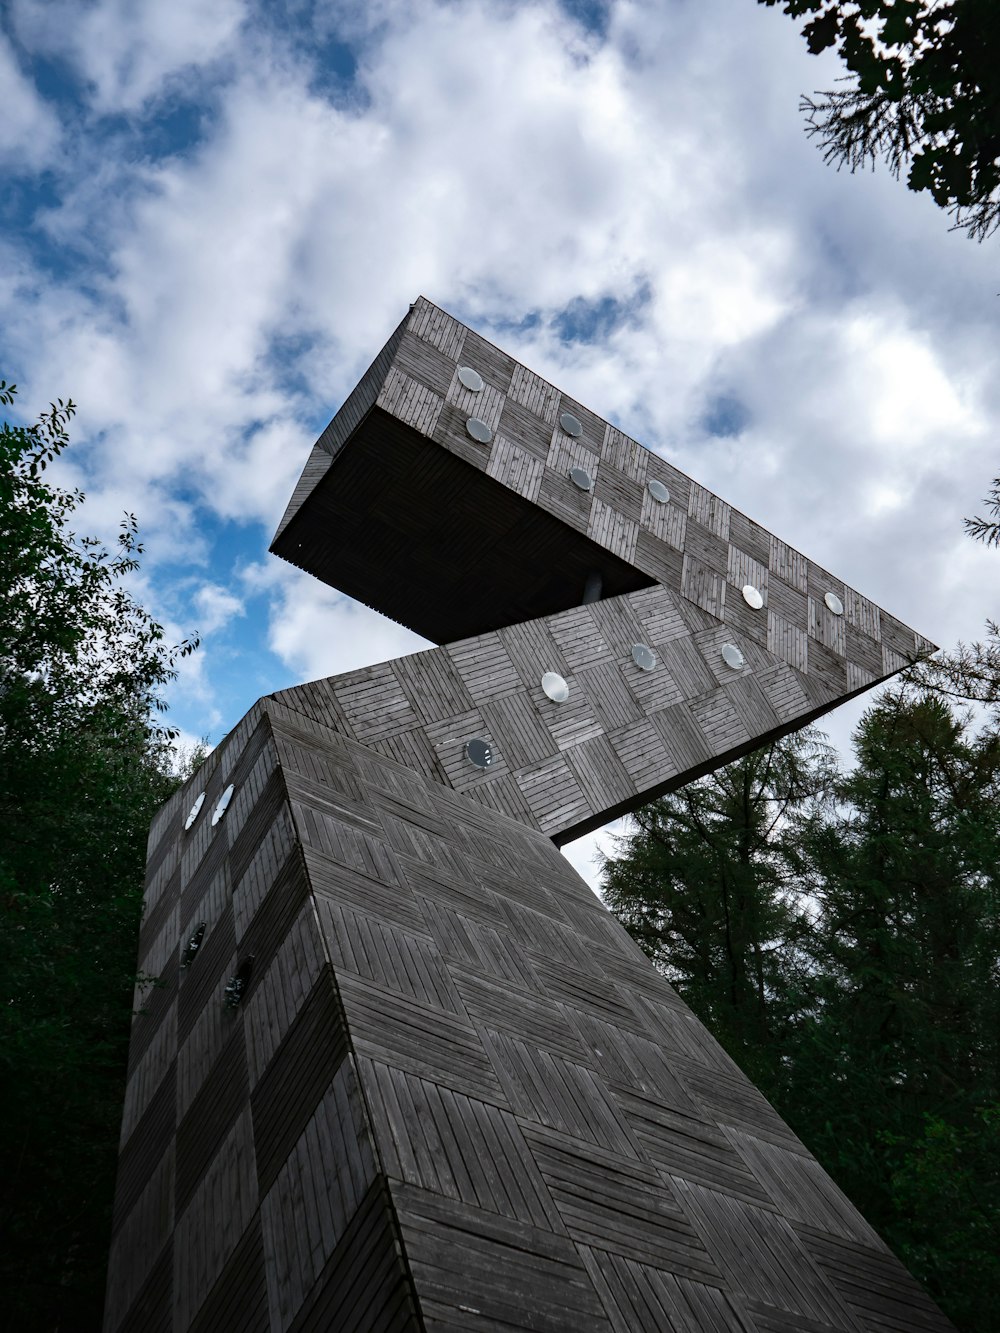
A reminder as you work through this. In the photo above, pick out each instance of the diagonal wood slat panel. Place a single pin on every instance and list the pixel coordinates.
(562, 1144)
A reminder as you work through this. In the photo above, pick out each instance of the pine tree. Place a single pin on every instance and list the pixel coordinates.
(712, 885)
(895, 1073)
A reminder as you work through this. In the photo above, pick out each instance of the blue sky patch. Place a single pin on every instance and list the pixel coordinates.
(725, 416)
(592, 321)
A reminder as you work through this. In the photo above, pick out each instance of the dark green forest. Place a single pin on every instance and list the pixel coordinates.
(84, 762)
(837, 926)
(839, 932)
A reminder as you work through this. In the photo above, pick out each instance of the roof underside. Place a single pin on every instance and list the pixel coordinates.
(413, 530)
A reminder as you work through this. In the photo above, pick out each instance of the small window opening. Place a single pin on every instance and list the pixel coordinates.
(193, 945)
(237, 984)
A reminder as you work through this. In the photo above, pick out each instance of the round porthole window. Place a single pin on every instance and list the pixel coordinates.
(471, 379)
(752, 596)
(555, 687)
(195, 811)
(223, 805)
(478, 430)
(643, 656)
(579, 476)
(732, 656)
(658, 491)
(834, 603)
(570, 424)
(479, 752)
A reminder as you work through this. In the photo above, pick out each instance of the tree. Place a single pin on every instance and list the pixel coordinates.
(987, 530)
(944, 1185)
(83, 765)
(711, 884)
(921, 94)
(895, 1073)
(971, 672)
(840, 935)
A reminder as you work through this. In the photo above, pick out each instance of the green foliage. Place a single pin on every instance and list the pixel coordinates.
(945, 1189)
(904, 950)
(971, 672)
(987, 530)
(710, 885)
(922, 95)
(870, 939)
(83, 765)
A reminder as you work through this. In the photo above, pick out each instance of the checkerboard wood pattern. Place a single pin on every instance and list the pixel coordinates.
(623, 735)
(450, 1092)
(455, 1094)
(369, 515)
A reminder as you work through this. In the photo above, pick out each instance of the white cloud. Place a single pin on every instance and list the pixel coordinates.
(318, 632)
(29, 130)
(215, 607)
(584, 854)
(126, 52)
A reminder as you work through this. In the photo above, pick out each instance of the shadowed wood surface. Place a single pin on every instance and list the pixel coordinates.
(455, 1094)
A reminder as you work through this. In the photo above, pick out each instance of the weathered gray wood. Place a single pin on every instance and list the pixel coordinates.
(530, 1114)
(452, 1093)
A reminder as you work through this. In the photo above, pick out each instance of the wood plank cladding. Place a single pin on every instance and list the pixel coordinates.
(238, 1300)
(456, 1095)
(501, 583)
(296, 1077)
(437, 522)
(397, 498)
(624, 735)
(364, 1287)
(415, 1076)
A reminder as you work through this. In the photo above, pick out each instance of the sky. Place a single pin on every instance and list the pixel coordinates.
(214, 213)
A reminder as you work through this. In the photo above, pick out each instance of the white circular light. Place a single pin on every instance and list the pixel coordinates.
(732, 656)
(479, 430)
(570, 424)
(555, 687)
(223, 805)
(834, 603)
(471, 379)
(582, 478)
(658, 491)
(643, 656)
(479, 752)
(194, 811)
(752, 596)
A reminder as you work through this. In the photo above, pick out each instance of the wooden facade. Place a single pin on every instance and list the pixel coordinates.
(414, 1075)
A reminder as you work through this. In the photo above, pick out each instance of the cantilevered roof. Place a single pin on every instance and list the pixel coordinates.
(458, 511)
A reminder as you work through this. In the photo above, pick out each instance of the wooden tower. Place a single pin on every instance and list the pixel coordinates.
(402, 1070)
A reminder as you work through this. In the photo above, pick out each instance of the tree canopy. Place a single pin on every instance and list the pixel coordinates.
(711, 886)
(83, 766)
(839, 932)
(921, 95)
